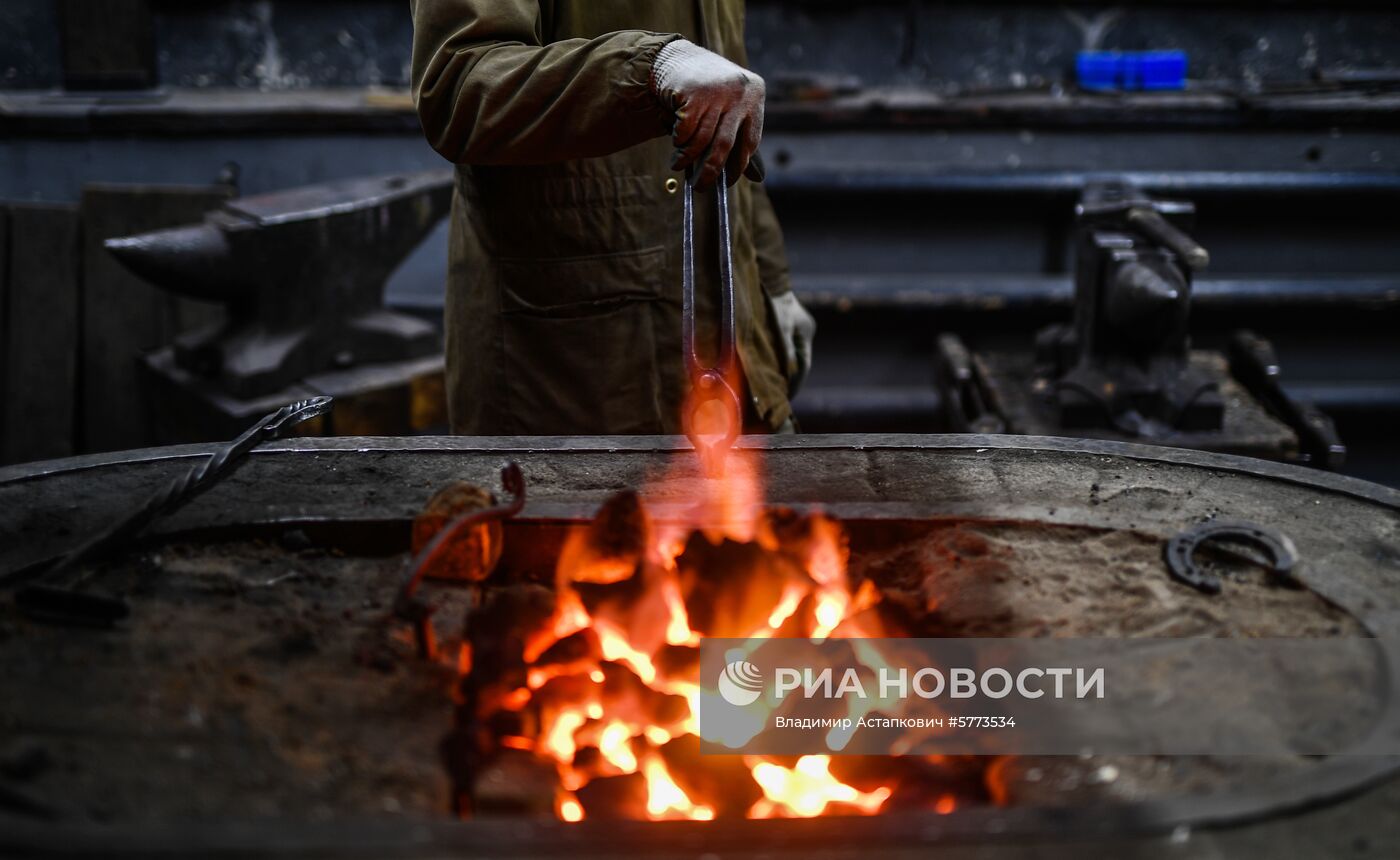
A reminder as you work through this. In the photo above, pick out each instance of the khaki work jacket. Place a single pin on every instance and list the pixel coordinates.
(564, 288)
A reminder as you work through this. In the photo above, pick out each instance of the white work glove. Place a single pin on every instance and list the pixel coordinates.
(796, 329)
(719, 111)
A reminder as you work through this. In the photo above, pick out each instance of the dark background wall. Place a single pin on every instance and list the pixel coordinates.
(957, 50)
(280, 44)
(936, 194)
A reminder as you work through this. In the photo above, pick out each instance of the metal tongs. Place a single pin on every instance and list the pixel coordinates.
(710, 383)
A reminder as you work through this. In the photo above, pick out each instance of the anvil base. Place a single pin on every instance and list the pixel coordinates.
(390, 399)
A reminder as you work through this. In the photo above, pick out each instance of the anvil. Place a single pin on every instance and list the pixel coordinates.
(301, 273)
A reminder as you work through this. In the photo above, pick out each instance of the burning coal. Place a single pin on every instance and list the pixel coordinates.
(596, 678)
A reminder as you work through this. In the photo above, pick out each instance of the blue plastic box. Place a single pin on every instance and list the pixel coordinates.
(1131, 70)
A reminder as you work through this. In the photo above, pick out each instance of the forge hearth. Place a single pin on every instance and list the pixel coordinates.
(261, 678)
(580, 680)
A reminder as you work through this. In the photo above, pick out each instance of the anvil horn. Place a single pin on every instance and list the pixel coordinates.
(191, 261)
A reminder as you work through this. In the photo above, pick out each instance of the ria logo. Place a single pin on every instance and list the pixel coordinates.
(741, 682)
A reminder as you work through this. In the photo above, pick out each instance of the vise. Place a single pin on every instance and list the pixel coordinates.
(1124, 367)
(1125, 361)
(301, 276)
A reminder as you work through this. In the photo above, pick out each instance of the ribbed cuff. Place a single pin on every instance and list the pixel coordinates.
(667, 59)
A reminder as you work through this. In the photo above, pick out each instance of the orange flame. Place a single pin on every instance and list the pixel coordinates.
(666, 800)
(652, 618)
(808, 789)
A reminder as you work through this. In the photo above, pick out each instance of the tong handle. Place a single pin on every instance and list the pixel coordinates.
(710, 383)
(727, 350)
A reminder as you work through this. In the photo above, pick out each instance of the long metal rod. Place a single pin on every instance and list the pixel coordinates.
(727, 356)
(196, 480)
(688, 334)
(728, 346)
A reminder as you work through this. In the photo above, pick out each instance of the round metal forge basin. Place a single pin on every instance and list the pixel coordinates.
(364, 491)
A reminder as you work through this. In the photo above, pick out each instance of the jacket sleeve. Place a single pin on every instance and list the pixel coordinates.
(489, 91)
(773, 271)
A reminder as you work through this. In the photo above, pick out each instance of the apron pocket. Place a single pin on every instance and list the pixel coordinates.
(579, 344)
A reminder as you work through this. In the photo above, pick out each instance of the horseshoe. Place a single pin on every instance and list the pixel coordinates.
(1181, 550)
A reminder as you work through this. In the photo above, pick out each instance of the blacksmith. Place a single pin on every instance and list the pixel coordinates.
(571, 123)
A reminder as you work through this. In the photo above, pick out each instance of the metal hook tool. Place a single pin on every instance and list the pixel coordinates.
(67, 602)
(710, 383)
(408, 606)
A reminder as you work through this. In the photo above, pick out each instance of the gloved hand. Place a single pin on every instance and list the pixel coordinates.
(719, 111)
(796, 329)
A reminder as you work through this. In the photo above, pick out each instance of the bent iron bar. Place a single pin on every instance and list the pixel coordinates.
(710, 383)
(407, 606)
